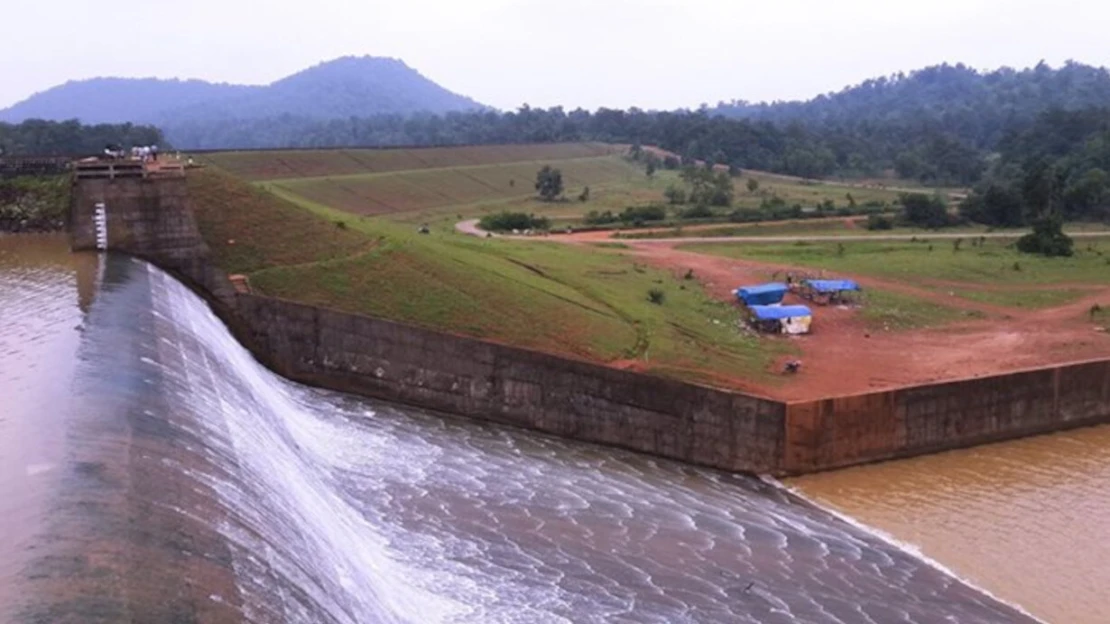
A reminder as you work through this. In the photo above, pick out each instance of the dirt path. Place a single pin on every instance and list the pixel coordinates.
(844, 355)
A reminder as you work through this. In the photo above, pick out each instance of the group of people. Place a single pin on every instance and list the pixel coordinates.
(144, 153)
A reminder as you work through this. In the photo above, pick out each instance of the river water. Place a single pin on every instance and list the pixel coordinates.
(152, 471)
(1028, 520)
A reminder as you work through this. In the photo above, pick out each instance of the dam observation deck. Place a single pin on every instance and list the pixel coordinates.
(129, 168)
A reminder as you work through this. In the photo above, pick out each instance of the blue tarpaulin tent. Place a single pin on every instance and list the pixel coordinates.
(764, 294)
(791, 319)
(832, 286)
(777, 313)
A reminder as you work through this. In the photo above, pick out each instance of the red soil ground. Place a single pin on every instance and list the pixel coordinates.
(842, 356)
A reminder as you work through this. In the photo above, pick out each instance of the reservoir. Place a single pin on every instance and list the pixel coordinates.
(152, 471)
(1029, 520)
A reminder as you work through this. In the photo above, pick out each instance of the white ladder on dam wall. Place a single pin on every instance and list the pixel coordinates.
(100, 222)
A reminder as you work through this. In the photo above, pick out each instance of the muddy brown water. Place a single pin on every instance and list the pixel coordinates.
(1028, 520)
(152, 471)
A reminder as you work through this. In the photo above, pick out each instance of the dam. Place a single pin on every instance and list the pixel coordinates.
(152, 471)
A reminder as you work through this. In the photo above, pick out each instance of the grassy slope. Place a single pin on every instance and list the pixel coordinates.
(249, 229)
(273, 165)
(424, 194)
(540, 295)
(993, 263)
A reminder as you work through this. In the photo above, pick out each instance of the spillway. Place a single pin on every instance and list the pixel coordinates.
(157, 473)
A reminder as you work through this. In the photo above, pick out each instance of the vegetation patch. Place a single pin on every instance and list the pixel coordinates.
(976, 261)
(513, 221)
(894, 311)
(34, 204)
(1030, 299)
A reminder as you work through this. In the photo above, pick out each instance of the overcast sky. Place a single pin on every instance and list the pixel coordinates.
(589, 53)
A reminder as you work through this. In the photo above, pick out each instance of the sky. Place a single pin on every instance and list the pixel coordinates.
(654, 54)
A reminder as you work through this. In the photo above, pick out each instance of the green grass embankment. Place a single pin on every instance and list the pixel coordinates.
(578, 301)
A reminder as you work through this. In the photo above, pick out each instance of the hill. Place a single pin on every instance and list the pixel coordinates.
(977, 106)
(937, 125)
(119, 100)
(345, 87)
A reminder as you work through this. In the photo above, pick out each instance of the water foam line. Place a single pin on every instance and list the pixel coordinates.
(906, 547)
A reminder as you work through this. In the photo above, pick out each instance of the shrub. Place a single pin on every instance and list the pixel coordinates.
(701, 211)
(675, 194)
(639, 214)
(657, 296)
(594, 217)
(879, 222)
(1047, 238)
(505, 221)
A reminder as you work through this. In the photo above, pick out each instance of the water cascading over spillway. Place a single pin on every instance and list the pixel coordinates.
(200, 486)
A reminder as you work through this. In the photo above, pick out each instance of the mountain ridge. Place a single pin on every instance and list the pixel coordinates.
(343, 87)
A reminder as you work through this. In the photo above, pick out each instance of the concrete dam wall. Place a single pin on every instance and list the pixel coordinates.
(147, 217)
(152, 219)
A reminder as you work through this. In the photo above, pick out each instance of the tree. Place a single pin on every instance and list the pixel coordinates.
(1047, 238)
(753, 185)
(675, 194)
(995, 204)
(584, 196)
(649, 168)
(923, 210)
(549, 183)
(708, 188)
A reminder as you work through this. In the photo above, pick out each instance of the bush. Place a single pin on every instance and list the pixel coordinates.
(675, 194)
(594, 217)
(31, 204)
(927, 211)
(657, 296)
(701, 211)
(506, 221)
(879, 222)
(1047, 239)
(639, 214)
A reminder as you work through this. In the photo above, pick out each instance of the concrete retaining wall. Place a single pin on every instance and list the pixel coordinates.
(682, 421)
(565, 397)
(150, 218)
(910, 421)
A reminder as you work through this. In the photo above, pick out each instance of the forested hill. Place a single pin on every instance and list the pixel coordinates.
(911, 121)
(345, 87)
(979, 107)
(938, 125)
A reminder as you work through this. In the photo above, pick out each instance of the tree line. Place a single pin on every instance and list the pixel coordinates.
(1057, 166)
(36, 137)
